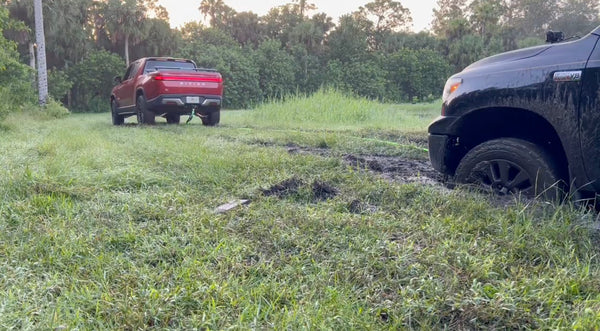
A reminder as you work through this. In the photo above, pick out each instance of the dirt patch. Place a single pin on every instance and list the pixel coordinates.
(397, 168)
(323, 191)
(285, 188)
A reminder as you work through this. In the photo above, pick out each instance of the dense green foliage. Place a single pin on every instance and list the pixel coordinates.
(125, 236)
(93, 79)
(470, 29)
(294, 48)
(15, 78)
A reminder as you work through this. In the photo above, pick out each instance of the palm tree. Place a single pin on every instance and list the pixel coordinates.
(41, 53)
(211, 8)
(125, 20)
(304, 6)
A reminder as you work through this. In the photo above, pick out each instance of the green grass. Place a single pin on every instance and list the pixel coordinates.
(331, 110)
(106, 227)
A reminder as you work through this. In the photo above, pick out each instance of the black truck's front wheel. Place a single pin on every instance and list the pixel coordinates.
(511, 166)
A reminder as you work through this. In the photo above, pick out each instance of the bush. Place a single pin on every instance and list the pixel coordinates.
(466, 50)
(15, 78)
(240, 73)
(61, 84)
(93, 79)
(98, 104)
(241, 77)
(530, 41)
(5, 107)
(361, 78)
(55, 109)
(415, 75)
(276, 70)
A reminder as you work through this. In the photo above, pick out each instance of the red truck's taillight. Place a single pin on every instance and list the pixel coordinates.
(189, 79)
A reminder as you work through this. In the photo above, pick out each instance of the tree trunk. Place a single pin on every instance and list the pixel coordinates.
(127, 49)
(41, 53)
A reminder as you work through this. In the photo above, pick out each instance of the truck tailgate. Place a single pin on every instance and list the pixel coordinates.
(192, 82)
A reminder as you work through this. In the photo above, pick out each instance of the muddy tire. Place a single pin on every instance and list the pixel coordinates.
(511, 166)
(144, 116)
(212, 118)
(116, 118)
(173, 119)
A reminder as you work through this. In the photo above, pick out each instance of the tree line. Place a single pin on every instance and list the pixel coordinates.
(292, 49)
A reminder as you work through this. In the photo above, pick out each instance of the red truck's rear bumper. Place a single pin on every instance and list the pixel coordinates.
(183, 104)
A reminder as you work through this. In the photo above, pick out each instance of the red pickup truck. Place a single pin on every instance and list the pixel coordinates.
(167, 87)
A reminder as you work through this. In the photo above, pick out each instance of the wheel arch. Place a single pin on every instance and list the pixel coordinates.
(494, 123)
(139, 92)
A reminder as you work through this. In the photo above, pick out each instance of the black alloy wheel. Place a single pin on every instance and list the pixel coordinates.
(511, 166)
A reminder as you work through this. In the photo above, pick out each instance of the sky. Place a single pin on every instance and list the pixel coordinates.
(183, 11)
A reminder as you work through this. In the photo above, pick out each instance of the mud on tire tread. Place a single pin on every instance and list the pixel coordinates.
(511, 166)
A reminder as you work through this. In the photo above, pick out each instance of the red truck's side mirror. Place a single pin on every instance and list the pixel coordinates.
(117, 79)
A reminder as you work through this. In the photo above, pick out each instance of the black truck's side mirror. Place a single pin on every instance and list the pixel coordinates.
(554, 37)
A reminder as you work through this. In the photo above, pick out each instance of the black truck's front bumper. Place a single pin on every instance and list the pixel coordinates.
(443, 141)
(438, 151)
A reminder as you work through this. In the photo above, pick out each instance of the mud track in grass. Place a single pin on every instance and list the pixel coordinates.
(394, 168)
(398, 169)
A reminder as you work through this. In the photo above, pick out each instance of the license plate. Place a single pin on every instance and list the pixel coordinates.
(192, 99)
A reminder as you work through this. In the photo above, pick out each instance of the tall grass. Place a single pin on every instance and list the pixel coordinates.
(333, 110)
(105, 227)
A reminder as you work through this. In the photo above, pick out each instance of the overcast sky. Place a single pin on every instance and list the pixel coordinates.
(182, 11)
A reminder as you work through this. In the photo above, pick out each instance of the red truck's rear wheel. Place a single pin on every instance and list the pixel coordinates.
(144, 116)
(212, 118)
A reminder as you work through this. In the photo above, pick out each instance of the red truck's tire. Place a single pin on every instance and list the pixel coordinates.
(212, 118)
(144, 116)
(173, 118)
(116, 118)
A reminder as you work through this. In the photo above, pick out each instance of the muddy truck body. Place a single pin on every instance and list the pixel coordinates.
(167, 87)
(526, 121)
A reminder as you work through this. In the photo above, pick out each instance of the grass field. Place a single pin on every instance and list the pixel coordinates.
(107, 227)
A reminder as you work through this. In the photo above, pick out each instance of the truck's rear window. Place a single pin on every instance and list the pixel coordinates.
(154, 65)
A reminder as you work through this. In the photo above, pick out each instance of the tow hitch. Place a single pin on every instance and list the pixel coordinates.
(194, 113)
(191, 114)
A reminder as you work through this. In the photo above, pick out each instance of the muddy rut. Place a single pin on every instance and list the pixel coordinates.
(395, 168)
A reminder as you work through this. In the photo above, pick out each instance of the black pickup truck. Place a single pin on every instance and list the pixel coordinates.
(526, 121)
